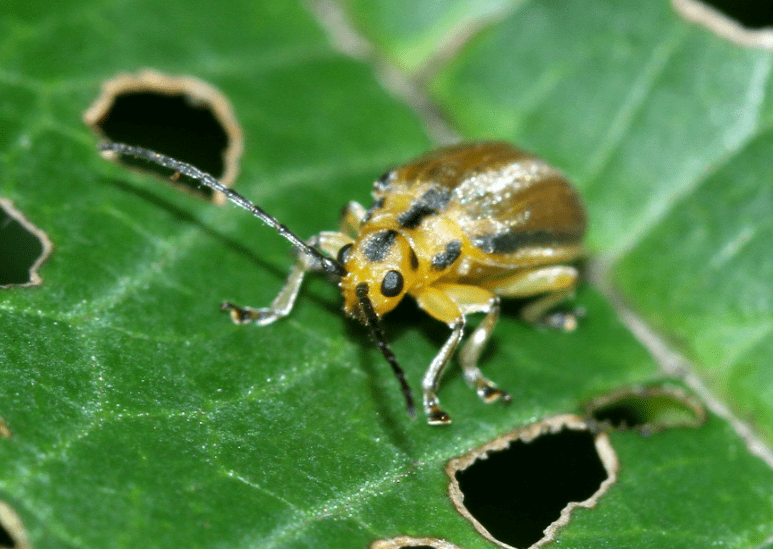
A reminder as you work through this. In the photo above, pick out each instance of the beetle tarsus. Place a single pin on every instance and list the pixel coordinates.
(562, 321)
(436, 416)
(488, 392)
(247, 315)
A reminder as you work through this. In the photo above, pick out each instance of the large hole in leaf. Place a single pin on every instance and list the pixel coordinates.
(181, 117)
(752, 14)
(519, 489)
(649, 409)
(23, 247)
(171, 124)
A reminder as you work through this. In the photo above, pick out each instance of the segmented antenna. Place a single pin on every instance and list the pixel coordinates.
(378, 335)
(328, 264)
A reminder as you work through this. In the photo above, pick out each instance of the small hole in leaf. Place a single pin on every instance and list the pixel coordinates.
(184, 118)
(23, 247)
(648, 409)
(519, 489)
(752, 14)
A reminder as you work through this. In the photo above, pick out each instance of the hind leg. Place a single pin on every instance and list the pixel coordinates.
(556, 284)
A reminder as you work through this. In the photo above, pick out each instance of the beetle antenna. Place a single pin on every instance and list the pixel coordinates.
(329, 265)
(378, 334)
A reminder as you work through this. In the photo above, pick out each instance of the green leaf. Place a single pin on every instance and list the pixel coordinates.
(141, 416)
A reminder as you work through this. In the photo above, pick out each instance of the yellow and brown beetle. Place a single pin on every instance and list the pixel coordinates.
(456, 229)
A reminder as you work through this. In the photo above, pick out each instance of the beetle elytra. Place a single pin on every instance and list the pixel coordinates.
(457, 229)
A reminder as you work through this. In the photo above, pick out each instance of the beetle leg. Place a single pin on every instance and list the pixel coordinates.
(439, 305)
(557, 282)
(450, 303)
(351, 218)
(282, 304)
(329, 242)
(472, 299)
(429, 385)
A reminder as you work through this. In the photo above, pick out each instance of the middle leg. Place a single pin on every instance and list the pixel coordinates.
(472, 299)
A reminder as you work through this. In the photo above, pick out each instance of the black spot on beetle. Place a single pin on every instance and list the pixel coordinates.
(377, 205)
(414, 260)
(445, 259)
(433, 201)
(437, 198)
(383, 183)
(377, 248)
(502, 243)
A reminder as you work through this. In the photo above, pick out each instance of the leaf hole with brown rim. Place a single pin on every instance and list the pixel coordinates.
(519, 489)
(647, 409)
(181, 117)
(23, 247)
(752, 14)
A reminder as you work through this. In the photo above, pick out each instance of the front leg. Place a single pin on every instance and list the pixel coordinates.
(329, 242)
(440, 306)
(450, 303)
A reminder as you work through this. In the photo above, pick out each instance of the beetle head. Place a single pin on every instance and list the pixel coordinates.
(384, 262)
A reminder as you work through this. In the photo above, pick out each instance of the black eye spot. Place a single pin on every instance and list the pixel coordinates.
(392, 284)
(343, 253)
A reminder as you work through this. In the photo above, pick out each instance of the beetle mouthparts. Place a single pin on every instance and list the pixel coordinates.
(370, 319)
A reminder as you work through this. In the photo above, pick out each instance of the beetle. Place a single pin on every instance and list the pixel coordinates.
(457, 229)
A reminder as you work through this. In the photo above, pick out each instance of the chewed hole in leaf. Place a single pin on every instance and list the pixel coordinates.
(747, 22)
(519, 489)
(178, 116)
(647, 409)
(752, 14)
(12, 531)
(23, 247)
(5, 538)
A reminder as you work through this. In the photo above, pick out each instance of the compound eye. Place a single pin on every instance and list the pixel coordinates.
(392, 284)
(343, 253)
